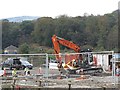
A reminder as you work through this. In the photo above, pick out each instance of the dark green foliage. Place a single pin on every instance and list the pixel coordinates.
(43, 31)
(95, 32)
(10, 33)
(24, 48)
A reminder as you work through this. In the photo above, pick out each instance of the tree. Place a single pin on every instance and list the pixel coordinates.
(26, 28)
(24, 48)
(10, 33)
(43, 31)
(112, 39)
(5, 33)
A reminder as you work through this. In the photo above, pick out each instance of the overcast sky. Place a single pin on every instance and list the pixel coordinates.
(53, 8)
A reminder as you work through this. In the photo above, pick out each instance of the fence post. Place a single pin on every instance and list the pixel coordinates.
(88, 57)
(69, 85)
(14, 81)
(46, 73)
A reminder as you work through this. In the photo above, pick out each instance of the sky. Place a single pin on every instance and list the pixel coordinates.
(54, 8)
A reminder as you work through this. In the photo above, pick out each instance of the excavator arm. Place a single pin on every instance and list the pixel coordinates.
(56, 46)
(57, 40)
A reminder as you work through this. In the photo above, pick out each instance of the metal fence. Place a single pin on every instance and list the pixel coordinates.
(41, 62)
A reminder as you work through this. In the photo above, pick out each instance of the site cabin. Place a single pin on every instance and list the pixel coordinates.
(103, 60)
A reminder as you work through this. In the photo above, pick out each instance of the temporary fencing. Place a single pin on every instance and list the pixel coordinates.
(46, 64)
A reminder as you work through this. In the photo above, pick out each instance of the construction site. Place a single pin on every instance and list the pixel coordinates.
(59, 45)
(68, 71)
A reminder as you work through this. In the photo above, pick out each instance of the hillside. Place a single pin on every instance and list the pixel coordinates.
(94, 32)
(22, 18)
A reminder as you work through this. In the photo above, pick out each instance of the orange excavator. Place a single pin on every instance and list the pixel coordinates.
(74, 58)
(70, 60)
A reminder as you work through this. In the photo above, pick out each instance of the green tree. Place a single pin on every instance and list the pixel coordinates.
(10, 33)
(5, 33)
(24, 48)
(26, 28)
(112, 39)
(43, 31)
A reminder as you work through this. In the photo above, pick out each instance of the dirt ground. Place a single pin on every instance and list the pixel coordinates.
(87, 81)
(91, 82)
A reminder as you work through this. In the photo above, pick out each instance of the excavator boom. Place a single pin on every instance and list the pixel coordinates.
(68, 44)
(56, 46)
(57, 40)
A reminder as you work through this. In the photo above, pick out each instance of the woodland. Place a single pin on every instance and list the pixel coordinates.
(98, 33)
